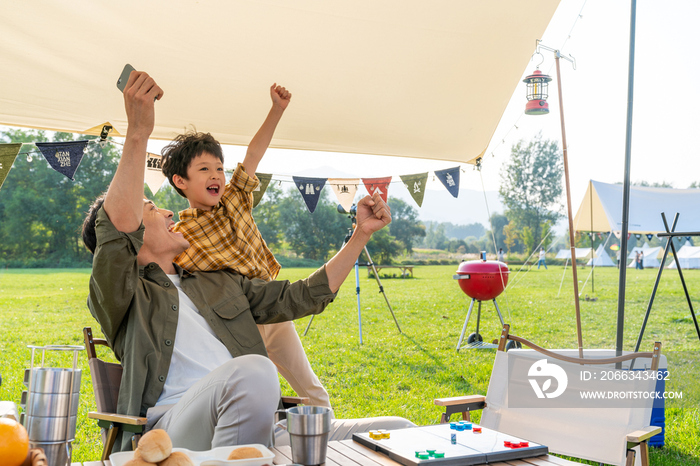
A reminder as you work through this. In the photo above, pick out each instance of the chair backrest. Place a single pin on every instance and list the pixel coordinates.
(579, 429)
(106, 376)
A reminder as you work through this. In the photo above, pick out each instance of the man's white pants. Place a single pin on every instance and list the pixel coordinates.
(233, 405)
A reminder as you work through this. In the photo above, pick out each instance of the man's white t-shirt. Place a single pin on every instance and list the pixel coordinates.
(196, 353)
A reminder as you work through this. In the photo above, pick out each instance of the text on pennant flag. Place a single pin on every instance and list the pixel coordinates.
(310, 189)
(64, 157)
(8, 154)
(449, 177)
(416, 186)
(258, 192)
(378, 185)
(154, 176)
(345, 190)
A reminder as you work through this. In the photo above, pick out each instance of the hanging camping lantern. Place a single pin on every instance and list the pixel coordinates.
(537, 84)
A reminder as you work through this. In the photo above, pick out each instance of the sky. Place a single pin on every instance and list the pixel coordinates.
(596, 34)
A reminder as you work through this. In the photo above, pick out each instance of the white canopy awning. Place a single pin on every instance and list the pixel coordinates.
(388, 77)
(601, 209)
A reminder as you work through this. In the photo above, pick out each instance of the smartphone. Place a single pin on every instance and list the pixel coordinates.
(124, 77)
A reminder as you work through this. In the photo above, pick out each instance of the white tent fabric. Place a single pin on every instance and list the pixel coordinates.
(581, 253)
(601, 259)
(601, 208)
(688, 257)
(387, 77)
(650, 258)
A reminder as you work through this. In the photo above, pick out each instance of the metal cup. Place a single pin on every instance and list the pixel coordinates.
(309, 428)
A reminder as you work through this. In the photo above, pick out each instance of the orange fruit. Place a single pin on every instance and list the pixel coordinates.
(14, 442)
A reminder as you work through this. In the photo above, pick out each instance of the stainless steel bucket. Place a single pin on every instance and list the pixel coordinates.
(51, 405)
(309, 428)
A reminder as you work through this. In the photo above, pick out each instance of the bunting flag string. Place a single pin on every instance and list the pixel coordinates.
(380, 185)
(264, 179)
(310, 189)
(8, 154)
(450, 179)
(650, 236)
(345, 190)
(64, 157)
(416, 186)
(154, 177)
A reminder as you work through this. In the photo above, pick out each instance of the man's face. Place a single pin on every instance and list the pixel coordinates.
(159, 238)
(205, 181)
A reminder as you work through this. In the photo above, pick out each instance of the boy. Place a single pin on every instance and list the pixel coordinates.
(223, 235)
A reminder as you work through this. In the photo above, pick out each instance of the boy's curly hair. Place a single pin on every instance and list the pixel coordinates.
(178, 155)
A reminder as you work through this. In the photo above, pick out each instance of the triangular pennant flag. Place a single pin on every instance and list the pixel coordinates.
(310, 189)
(618, 234)
(650, 236)
(97, 130)
(380, 185)
(64, 157)
(258, 192)
(154, 174)
(345, 190)
(687, 237)
(450, 178)
(8, 154)
(638, 236)
(416, 186)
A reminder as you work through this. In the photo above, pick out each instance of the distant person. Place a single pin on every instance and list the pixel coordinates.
(501, 256)
(636, 260)
(641, 260)
(541, 261)
(618, 258)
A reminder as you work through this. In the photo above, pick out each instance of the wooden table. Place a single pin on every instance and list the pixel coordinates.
(405, 269)
(351, 453)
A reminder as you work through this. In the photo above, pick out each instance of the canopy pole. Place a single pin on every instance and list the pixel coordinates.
(590, 196)
(626, 188)
(557, 55)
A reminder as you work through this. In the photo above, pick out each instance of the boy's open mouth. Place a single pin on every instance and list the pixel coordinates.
(213, 189)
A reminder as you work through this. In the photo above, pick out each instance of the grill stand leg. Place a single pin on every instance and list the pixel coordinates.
(466, 321)
(478, 319)
(499, 312)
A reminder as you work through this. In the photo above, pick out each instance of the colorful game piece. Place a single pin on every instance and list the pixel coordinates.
(423, 455)
(507, 443)
(420, 453)
(468, 425)
(524, 444)
(453, 425)
(461, 427)
(439, 454)
(431, 452)
(383, 433)
(375, 435)
(476, 430)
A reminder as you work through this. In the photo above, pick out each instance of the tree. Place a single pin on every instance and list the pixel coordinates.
(267, 216)
(528, 239)
(531, 184)
(511, 236)
(383, 247)
(405, 226)
(312, 235)
(41, 210)
(498, 223)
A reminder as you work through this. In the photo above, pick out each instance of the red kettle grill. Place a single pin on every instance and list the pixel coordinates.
(481, 280)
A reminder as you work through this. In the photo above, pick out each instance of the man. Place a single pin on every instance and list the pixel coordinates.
(194, 362)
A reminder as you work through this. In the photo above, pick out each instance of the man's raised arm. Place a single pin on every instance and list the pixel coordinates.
(373, 214)
(124, 201)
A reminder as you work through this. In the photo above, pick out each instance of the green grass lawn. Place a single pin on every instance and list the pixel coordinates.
(396, 373)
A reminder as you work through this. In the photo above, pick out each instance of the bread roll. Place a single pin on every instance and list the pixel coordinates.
(177, 458)
(155, 446)
(245, 452)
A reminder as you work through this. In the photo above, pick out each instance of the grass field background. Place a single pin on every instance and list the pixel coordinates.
(396, 373)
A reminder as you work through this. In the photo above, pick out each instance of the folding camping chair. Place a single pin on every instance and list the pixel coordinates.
(597, 434)
(106, 379)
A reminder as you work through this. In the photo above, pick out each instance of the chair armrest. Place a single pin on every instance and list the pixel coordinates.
(460, 400)
(118, 418)
(291, 401)
(641, 435)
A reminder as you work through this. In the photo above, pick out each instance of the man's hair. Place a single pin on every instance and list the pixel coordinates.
(89, 237)
(178, 155)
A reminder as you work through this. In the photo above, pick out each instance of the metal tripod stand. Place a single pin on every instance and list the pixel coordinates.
(357, 277)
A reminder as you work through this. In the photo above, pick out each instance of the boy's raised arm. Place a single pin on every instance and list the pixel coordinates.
(124, 200)
(260, 142)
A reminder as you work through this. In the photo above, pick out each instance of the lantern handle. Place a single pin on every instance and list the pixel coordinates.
(537, 52)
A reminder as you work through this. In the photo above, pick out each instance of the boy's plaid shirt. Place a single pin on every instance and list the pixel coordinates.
(227, 237)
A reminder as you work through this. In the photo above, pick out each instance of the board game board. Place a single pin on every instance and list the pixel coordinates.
(404, 445)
